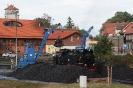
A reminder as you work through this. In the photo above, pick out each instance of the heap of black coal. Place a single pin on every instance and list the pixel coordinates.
(68, 74)
(51, 73)
(119, 72)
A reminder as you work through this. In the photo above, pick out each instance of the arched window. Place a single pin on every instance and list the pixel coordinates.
(12, 23)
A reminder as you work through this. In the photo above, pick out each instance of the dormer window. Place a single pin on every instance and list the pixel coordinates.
(12, 23)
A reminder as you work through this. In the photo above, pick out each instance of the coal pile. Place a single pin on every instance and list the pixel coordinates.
(32, 72)
(68, 74)
(120, 72)
(51, 73)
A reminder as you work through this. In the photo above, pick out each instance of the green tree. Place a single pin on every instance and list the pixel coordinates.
(97, 37)
(90, 37)
(103, 47)
(82, 31)
(45, 20)
(70, 23)
(121, 17)
(101, 29)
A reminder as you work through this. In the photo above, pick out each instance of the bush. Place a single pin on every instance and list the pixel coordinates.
(114, 59)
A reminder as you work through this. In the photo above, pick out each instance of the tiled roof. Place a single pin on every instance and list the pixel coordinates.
(107, 25)
(110, 31)
(111, 27)
(129, 28)
(29, 29)
(130, 31)
(120, 26)
(11, 7)
(62, 34)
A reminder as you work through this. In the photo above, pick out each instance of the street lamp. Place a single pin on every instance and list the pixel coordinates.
(16, 14)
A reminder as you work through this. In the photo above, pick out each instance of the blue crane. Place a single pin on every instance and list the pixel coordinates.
(83, 41)
(29, 57)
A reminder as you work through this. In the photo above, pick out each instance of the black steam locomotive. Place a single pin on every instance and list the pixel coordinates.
(83, 58)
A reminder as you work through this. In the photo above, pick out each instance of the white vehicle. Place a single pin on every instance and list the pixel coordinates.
(5, 54)
(10, 54)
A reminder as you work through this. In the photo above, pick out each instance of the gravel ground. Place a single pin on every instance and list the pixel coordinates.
(5, 71)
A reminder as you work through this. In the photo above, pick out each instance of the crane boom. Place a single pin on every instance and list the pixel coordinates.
(83, 41)
(29, 57)
(84, 37)
(45, 37)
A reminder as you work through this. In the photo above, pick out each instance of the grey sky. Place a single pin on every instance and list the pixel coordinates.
(84, 13)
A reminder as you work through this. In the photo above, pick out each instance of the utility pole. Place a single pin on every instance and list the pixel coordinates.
(16, 14)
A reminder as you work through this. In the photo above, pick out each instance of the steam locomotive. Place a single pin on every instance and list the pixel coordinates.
(84, 58)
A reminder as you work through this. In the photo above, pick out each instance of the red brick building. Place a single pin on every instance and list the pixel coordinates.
(13, 29)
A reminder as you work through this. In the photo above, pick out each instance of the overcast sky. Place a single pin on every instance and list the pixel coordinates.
(84, 13)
